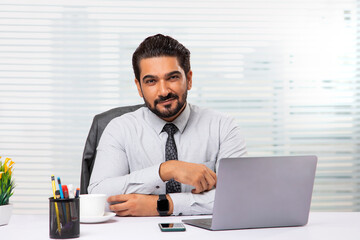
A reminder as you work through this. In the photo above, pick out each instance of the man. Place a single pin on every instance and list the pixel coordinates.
(161, 159)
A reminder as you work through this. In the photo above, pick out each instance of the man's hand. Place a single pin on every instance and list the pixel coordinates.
(194, 174)
(136, 205)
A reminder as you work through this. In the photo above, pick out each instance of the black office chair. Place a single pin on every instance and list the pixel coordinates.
(98, 125)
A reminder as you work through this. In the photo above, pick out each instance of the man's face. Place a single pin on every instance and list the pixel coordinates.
(163, 86)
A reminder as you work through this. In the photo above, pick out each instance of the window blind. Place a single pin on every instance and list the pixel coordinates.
(286, 70)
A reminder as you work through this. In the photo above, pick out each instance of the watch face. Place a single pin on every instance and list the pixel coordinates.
(163, 205)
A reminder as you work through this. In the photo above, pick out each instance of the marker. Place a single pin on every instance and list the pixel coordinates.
(65, 191)
(57, 194)
(66, 196)
(77, 192)
(56, 206)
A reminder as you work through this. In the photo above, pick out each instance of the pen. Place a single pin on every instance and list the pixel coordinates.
(62, 196)
(56, 207)
(60, 188)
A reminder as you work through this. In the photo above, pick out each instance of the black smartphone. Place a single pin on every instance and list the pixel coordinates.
(172, 227)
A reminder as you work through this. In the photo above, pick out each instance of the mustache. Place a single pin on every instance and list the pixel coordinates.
(162, 98)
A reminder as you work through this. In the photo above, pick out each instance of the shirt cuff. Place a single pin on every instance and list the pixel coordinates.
(182, 203)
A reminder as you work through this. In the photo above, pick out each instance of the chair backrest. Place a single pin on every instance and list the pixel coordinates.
(98, 125)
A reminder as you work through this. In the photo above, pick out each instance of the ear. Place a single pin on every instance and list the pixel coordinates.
(189, 80)
(138, 88)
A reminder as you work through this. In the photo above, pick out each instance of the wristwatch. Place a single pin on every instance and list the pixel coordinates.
(163, 205)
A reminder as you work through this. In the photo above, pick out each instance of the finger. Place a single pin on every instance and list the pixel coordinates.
(119, 207)
(123, 213)
(204, 184)
(210, 181)
(118, 198)
(213, 174)
(196, 189)
(193, 191)
(199, 186)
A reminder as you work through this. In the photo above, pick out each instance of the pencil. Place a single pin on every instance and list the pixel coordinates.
(56, 207)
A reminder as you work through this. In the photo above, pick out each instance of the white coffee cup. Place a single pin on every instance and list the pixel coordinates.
(92, 205)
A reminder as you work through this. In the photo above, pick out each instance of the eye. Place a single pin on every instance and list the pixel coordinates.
(174, 77)
(150, 81)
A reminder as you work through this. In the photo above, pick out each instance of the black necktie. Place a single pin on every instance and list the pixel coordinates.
(172, 186)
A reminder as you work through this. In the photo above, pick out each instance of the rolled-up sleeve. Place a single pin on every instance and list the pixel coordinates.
(193, 204)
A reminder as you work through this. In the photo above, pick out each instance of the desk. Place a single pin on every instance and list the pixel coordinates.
(322, 225)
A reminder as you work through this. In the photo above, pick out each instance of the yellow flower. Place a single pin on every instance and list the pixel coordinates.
(5, 164)
(10, 164)
(1, 173)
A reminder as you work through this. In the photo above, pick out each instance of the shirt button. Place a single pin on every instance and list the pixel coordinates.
(157, 187)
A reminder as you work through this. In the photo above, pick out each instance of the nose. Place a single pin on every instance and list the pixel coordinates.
(163, 88)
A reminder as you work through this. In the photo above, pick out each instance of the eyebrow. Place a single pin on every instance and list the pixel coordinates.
(147, 76)
(166, 75)
(172, 73)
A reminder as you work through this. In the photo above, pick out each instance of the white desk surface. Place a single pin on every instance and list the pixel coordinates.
(322, 225)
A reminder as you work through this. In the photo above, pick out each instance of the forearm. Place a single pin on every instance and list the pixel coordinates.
(144, 181)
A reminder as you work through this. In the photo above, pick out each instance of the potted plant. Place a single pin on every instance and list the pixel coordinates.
(6, 190)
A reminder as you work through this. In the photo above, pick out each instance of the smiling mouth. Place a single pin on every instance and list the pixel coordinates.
(167, 101)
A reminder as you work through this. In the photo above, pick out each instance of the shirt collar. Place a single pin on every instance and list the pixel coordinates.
(180, 122)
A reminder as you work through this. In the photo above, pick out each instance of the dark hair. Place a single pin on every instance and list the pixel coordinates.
(158, 46)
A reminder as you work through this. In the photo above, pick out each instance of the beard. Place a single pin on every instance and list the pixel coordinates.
(168, 112)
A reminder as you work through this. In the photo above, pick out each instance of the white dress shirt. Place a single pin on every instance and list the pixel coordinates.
(132, 147)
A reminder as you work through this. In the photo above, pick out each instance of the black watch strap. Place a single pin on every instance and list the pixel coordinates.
(162, 197)
(163, 205)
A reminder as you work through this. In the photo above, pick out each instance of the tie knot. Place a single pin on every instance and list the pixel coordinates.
(170, 128)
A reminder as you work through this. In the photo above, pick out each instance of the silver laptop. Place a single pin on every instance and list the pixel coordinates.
(261, 192)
